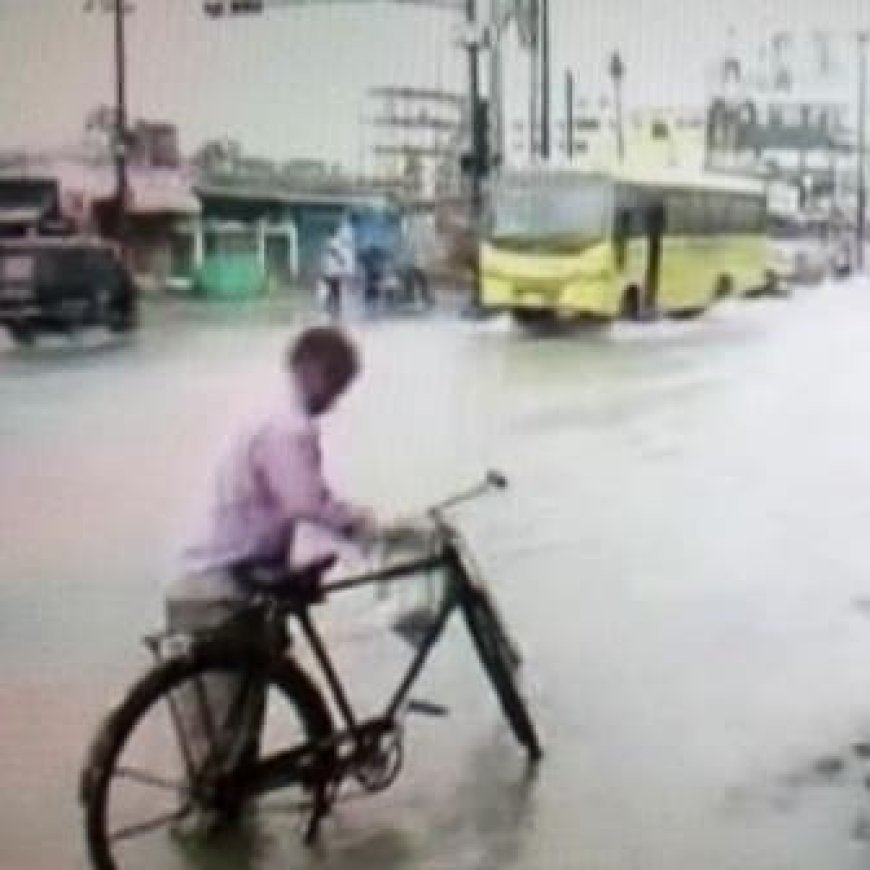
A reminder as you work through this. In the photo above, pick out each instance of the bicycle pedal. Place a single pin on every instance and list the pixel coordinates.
(427, 708)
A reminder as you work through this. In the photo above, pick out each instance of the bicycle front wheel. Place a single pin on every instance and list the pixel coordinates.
(500, 660)
(160, 774)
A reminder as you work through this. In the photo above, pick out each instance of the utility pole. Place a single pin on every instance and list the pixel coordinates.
(617, 73)
(478, 144)
(569, 114)
(118, 212)
(534, 81)
(861, 220)
(496, 80)
(545, 79)
(121, 138)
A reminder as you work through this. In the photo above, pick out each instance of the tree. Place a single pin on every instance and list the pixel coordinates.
(218, 155)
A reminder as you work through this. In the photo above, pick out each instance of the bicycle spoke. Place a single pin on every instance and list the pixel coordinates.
(160, 821)
(197, 763)
(143, 778)
(205, 711)
(183, 745)
(237, 716)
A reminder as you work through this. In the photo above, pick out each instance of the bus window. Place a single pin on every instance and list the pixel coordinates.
(549, 214)
(759, 216)
(721, 214)
(752, 214)
(736, 213)
(709, 213)
(682, 218)
(744, 211)
(660, 130)
(741, 214)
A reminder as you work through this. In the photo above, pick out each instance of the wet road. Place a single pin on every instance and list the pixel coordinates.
(683, 554)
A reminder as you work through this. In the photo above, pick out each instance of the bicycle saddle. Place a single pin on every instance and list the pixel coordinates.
(274, 578)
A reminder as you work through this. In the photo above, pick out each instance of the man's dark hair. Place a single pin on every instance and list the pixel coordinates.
(328, 347)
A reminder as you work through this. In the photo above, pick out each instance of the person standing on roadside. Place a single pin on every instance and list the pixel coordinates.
(333, 269)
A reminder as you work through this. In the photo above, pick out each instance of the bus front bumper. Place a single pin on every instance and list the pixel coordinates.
(595, 295)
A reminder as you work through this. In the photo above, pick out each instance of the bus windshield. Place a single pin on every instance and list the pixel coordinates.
(551, 214)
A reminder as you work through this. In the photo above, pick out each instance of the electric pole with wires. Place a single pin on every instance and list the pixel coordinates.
(118, 9)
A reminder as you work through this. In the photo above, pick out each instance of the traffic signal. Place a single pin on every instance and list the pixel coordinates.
(480, 159)
(481, 136)
(219, 8)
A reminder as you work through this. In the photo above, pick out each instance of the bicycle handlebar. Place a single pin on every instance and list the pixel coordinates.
(493, 480)
(417, 534)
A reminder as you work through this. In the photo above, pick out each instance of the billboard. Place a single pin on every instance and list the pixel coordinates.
(780, 102)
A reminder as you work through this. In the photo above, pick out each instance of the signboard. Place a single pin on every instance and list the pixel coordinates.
(16, 268)
(775, 133)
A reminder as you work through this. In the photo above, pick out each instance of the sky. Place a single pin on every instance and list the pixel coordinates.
(293, 82)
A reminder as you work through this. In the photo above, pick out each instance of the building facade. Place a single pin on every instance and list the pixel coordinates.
(782, 106)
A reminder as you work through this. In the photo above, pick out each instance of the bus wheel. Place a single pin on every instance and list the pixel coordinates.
(686, 313)
(772, 285)
(631, 307)
(724, 288)
(534, 318)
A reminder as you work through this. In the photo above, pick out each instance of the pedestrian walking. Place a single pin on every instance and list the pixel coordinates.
(332, 271)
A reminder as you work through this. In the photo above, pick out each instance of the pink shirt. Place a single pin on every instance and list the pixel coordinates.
(270, 479)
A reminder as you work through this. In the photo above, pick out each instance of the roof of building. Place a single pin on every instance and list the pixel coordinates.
(27, 216)
(263, 193)
(639, 174)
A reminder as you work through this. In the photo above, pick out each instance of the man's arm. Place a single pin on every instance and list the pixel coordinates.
(290, 468)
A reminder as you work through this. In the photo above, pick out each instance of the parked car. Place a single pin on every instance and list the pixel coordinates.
(63, 285)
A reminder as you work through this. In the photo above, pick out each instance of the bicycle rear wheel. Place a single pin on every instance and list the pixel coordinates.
(161, 768)
(500, 660)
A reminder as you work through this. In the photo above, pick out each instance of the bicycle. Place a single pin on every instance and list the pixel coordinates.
(327, 757)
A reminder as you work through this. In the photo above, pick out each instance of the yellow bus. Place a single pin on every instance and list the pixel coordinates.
(561, 243)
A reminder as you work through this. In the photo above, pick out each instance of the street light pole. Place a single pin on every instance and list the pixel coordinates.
(477, 157)
(569, 114)
(534, 81)
(545, 79)
(617, 72)
(118, 214)
(861, 221)
(121, 180)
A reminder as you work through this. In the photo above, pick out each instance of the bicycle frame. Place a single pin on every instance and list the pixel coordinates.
(334, 749)
(282, 768)
(448, 561)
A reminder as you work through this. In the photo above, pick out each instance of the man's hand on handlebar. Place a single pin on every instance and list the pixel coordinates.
(366, 529)
(414, 534)
(421, 533)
